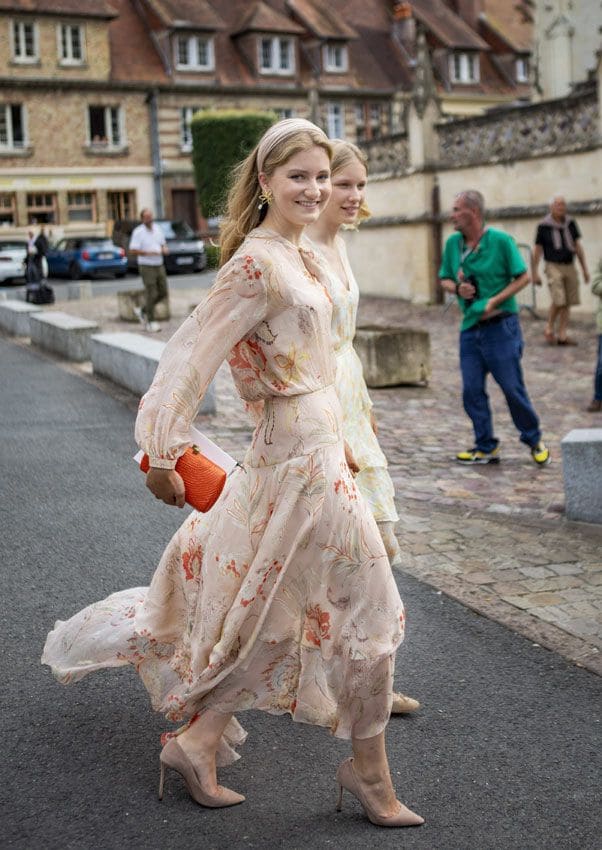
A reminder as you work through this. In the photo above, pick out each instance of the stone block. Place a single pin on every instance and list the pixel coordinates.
(126, 301)
(130, 360)
(14, 316)
(392, 356)
(62, 334)
(79, 289)
(582, 471)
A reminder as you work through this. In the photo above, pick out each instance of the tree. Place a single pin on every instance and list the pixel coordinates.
(220, 140)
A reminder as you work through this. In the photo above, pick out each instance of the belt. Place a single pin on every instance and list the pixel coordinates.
(494, 319)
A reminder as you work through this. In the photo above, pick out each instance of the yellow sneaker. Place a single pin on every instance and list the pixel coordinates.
(476, 456)
(540, 454)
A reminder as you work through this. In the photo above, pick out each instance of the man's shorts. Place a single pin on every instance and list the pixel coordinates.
(564, 284)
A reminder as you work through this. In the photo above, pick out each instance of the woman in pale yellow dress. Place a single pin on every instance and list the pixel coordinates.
(347, 207)
(285, 602)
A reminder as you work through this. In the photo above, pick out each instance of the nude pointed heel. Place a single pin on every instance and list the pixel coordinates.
(173, 756)
(348, 779)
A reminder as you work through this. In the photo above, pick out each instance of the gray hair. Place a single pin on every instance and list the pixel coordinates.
(473, 199)
(557, 196)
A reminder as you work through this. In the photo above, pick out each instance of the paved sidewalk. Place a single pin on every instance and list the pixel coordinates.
(494, 537)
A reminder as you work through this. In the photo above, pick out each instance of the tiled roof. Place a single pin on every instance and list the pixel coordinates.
(133, 54)
(506, 20)
(74, 8)
(198, 14)
(321, 20)
(264, 18)
(446, 26)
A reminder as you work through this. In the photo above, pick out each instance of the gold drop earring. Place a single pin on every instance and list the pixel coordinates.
(266, 197)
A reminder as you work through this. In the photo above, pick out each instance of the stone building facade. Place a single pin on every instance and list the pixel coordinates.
(96, 96)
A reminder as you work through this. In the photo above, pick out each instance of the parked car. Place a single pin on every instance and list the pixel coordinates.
(86, 256)
(186, 250)
(12, 260)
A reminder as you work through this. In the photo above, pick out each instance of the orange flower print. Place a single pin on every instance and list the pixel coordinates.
(192, 561)
(317, 625)
(250, 269)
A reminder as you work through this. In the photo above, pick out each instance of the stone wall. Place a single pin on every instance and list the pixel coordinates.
(558, 126)
(518, 158)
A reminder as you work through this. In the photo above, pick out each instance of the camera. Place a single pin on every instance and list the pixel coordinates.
(472, 280)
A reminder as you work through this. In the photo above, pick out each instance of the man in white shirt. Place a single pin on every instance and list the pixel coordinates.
(148, 244)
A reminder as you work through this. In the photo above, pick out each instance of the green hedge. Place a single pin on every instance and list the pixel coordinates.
(220, 140)
(212, 252)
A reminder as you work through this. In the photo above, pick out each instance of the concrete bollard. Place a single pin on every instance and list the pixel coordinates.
(392, 356)
(62, 334)
(582, 470)
(126, 301)
(14, 316)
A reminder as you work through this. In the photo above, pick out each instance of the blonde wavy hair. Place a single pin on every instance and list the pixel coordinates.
(344, 153)
(243, 208)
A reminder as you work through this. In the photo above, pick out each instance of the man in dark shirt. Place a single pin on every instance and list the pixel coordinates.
(559, 240)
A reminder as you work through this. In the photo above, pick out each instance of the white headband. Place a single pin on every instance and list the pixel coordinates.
(281, 131)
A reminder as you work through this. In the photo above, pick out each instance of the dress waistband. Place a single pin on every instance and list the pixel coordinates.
(297, 425)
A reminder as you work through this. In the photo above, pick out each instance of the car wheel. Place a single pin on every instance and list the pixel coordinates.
(74, 271)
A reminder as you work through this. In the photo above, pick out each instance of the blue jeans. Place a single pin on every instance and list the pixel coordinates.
(496, 348)
(598, 378)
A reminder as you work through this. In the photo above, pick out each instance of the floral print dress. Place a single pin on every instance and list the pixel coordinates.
(281, 597)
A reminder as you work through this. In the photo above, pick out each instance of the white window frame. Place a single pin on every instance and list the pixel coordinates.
(10, 145)
(110, 144)
(192, 51)
(522, 69)
(18, 40)
(276, 44)
(461, 72)
(186, 113)
(73, 207)
(69, 59)
(329, 54)
(335, 120)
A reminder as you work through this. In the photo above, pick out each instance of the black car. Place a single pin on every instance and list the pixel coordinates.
(186, 250)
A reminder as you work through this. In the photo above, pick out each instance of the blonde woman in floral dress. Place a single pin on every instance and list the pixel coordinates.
(286, 601)
(347, 206)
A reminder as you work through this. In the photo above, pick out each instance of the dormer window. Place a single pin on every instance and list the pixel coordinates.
(194, 53)
(24, 42)
(522, 69)
(276, 55)
(335, 57)
(464, 68)
(70, 39)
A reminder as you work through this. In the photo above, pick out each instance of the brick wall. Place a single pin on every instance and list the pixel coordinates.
(97, 64)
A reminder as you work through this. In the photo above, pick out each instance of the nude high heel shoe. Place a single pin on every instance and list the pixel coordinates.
(173, 756)
(348, 779)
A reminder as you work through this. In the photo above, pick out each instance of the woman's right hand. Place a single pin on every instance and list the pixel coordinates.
(167, 485)
(351, 461)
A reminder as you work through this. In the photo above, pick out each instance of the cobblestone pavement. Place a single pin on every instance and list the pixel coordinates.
(494, 537)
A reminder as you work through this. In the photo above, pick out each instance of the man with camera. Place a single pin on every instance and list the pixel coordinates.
(483, 267)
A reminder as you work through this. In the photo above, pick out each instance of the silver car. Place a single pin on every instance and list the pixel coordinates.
(12, 260)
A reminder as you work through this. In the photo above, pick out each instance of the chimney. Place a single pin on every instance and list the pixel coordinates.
(404, 26)
(470, 11)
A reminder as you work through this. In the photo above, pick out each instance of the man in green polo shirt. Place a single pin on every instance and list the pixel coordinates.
(484, 268)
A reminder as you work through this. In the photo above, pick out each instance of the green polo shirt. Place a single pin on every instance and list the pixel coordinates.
(494, 264)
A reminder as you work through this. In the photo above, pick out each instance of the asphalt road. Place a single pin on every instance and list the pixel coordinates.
(504, 753)
(108, 285)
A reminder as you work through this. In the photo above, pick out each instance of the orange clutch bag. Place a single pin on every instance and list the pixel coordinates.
(203, 479)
